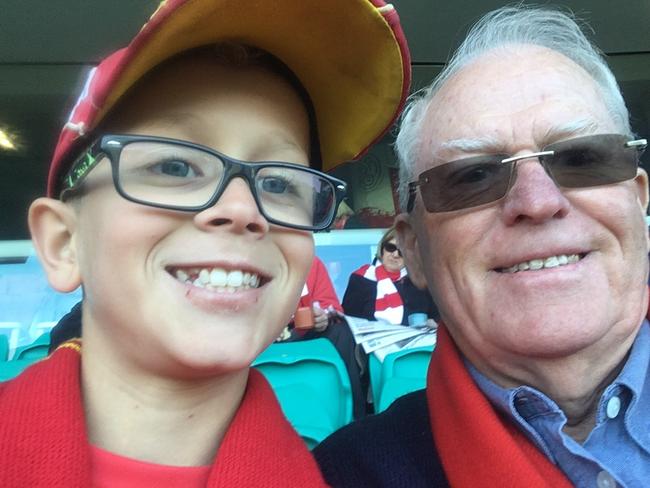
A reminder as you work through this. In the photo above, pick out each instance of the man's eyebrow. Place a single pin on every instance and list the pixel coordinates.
(553, 133)
(557, 132)
(479, 144)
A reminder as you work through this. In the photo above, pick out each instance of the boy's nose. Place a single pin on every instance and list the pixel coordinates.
(235, 208)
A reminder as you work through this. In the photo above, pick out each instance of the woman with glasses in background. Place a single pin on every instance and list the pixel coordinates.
(383, 291)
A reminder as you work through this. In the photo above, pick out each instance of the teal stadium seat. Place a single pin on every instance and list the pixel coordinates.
(24, 356)
(401, 372)
(11, 369)
(4, 348)
(312, 385)
(36, 350)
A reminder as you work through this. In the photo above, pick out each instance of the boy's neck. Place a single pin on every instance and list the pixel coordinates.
(157, 420)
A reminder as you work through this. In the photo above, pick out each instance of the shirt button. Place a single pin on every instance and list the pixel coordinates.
(613, 407)
(605, 480)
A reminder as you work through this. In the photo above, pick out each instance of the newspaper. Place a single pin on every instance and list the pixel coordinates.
(383, 338)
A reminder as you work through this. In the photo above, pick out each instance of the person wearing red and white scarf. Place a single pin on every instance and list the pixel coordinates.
(383, 290)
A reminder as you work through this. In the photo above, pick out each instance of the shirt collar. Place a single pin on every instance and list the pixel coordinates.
(632, 377)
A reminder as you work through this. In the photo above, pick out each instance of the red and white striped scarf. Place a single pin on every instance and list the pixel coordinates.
(388, 302)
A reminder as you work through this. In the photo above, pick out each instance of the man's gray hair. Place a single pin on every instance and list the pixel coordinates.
(513, 25)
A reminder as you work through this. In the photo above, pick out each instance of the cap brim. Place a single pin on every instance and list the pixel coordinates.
(344, 52)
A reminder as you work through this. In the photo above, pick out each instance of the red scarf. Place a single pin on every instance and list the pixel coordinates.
(44, 444)
(388, 302)
(477, 446)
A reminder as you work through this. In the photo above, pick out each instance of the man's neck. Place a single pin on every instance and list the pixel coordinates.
(575, 383)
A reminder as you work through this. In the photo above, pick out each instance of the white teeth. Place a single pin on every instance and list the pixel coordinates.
(204, 276)
(235, 278)
(549, 262)
(218, 279)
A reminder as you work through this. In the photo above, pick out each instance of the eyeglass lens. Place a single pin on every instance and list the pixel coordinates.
(184, 177)
(391, 248)
(575, 163)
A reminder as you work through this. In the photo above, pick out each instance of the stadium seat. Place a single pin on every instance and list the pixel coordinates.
(36, 350)
(401, 372)
(12, 331)
(4, 348)
(312, 385)
(374, 371)
(10, 369)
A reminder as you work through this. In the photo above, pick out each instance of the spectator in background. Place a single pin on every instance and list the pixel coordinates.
(319, 296)
(383, 290)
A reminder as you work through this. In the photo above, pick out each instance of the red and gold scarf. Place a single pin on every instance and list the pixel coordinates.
(44, 444)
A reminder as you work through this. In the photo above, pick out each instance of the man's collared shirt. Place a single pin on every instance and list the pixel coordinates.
(617, 451)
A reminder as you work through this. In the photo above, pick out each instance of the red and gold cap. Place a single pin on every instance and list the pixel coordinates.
(350, 55)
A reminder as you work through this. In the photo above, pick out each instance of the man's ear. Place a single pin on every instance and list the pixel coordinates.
(52, 224)
(641, 181)
(408, 244)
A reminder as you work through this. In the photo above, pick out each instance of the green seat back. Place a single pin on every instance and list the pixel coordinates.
(36, 350)
(395, 388)
(4, 347)
(374, 370)
(11, 369)
(401, 372)
(312, 385)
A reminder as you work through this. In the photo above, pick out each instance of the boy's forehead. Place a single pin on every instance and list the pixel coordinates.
(174, 90)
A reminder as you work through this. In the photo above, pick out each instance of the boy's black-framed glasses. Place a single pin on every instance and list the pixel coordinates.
(581, 162)
(179, 175)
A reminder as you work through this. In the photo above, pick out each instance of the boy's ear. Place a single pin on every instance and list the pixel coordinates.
(408, 243)
(52, 224)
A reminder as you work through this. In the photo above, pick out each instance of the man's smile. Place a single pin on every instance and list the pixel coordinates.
(543, 263)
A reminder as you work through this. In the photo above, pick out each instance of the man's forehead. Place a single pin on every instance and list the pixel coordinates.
(491, 144)
(528, 95)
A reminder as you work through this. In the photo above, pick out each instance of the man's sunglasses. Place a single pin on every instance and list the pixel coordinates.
(582, 162)
(391, 248)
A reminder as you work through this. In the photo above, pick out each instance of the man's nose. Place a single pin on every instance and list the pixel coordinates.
(533, 196)
(235, 210)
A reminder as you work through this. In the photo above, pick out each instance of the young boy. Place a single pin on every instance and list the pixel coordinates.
(181, 196)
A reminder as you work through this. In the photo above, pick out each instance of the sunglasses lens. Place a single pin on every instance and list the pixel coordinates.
(592, 161)
(582, 162)
(465, 183)
(391, 248)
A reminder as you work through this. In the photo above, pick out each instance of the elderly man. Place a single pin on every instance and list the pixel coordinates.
(525, 217)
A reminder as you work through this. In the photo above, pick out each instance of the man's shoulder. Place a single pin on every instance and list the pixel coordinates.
(392, 449)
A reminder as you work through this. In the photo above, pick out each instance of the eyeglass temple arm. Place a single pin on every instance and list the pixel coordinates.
(640, 144)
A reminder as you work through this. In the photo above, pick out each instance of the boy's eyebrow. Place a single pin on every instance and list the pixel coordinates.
(177, 118)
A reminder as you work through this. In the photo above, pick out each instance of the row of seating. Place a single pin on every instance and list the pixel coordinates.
(401, 372)
(308, 377)
(22, 357)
